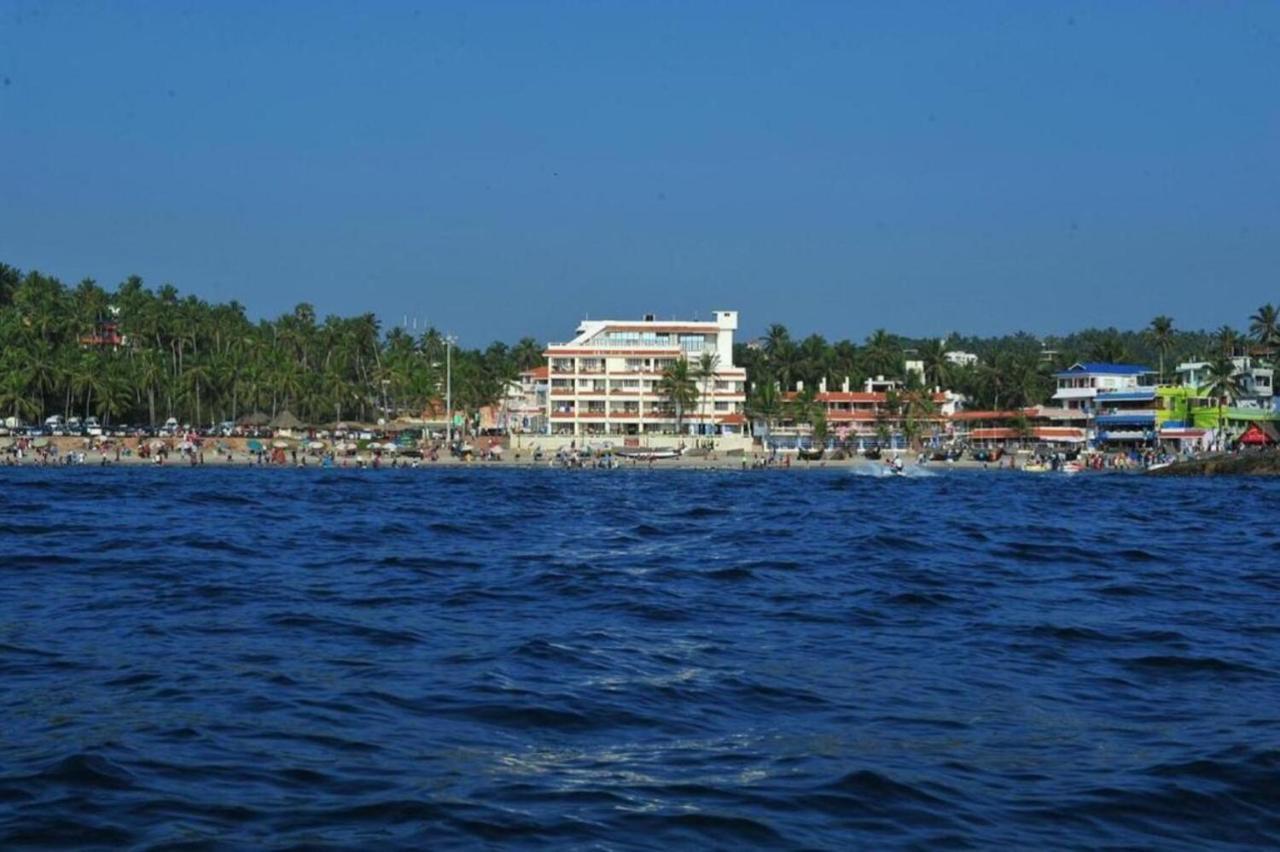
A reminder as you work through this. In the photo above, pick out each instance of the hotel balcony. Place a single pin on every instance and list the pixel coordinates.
(1137, 418)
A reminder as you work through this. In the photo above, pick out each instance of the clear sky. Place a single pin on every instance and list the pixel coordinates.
(503, 169)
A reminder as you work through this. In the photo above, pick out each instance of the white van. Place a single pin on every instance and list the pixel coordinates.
(92, 427)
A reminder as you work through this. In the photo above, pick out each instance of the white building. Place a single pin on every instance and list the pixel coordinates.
(1079, 384)
(524, 402)
(605, 381)
(961, 359)
(1256, 381)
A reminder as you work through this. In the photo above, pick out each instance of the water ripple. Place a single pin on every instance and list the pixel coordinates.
(578, 659)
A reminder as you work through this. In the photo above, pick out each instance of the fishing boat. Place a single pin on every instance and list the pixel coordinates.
(1036, 467)
(812, 454)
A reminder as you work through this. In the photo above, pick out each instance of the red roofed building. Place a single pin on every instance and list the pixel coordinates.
(1019, 428)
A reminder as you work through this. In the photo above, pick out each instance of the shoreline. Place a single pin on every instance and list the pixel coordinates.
(212, 455)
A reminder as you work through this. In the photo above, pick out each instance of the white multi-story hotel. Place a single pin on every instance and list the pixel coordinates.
(605, 381)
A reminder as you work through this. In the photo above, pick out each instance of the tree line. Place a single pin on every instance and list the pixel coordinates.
(206, 363)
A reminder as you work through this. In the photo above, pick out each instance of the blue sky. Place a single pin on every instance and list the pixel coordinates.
(503, 169)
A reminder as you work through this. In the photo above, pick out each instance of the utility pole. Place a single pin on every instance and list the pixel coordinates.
(448, 390)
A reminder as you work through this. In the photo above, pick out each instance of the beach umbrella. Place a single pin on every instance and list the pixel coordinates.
(257, 418)
(280, 445)
(40, 442)
(315, 445)
(255, 446)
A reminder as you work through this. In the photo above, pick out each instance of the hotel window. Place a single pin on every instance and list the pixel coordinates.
(691, 342)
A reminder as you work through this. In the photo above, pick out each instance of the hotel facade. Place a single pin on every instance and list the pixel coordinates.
(606, 380)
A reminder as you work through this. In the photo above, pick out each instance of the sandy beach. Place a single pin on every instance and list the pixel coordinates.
(226, 452)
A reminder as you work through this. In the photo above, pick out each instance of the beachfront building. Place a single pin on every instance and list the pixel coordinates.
(1116, 399)
(1257, 381)
(524, 402)
(1039, 427)
(1187, 417)
(606, 380)
(1080, 384)
(880, 414)
(1125, 419)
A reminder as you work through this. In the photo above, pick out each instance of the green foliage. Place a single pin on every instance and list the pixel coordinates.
(679, 388)
(203, 363)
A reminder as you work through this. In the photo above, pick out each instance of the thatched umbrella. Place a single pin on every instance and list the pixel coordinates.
(257, 418)
(285, 420)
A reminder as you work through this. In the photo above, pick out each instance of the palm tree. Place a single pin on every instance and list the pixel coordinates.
(805, 407)
(1109, 348)
(765, 404)
(844, 362)
(918, 410)
(813, 359)
(1160, 335)
(527, 354)
(775, 339)
(705, 374)
(1227, 338)
(1222, 383)
(195, 378)
(1265, 327)
(937, 369)
(678, 387)
(882, 356)
(151, 375)
(113, 392)
(16, 397)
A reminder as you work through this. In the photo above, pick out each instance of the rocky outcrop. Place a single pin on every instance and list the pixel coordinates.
(1252, 463)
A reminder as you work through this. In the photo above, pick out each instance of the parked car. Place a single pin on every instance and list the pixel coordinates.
(56, 421)
(170, 427)
(93, 427)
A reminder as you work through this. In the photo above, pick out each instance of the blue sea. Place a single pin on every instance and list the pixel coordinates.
(548, 659)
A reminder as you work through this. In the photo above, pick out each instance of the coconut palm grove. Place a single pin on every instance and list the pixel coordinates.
(135, 354)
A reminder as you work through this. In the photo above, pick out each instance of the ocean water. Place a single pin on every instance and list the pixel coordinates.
(439, 659)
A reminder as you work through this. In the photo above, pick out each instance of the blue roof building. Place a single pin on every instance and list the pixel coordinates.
(1080, 384)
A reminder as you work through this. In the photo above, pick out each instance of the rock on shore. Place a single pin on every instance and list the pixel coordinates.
(1253, 463)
